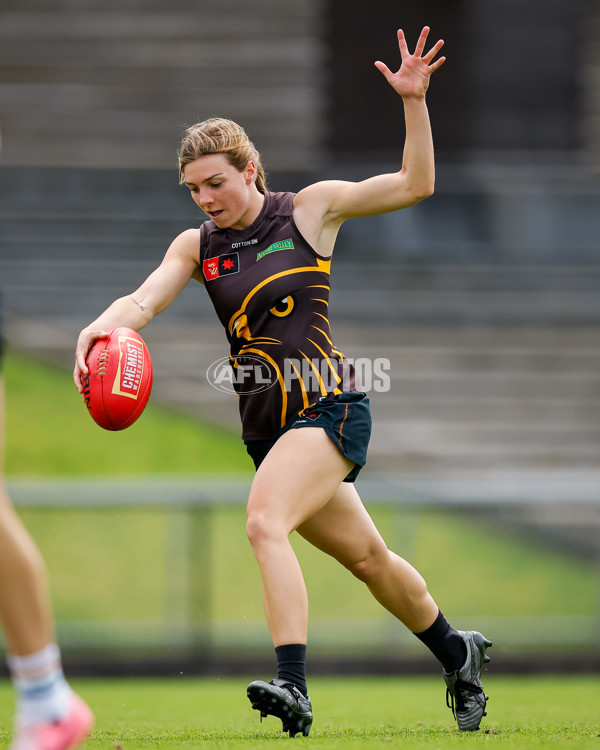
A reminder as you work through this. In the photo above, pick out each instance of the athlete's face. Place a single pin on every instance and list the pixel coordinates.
(228, 197)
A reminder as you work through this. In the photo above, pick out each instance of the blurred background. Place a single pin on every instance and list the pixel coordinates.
(484, 461)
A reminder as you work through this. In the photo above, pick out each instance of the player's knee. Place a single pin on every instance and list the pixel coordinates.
(369, 566)
(260, 529)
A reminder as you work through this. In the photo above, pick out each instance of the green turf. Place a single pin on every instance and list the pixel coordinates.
(524, 712)
(49, 433)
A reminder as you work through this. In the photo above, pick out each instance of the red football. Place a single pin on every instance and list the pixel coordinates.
(119, 382)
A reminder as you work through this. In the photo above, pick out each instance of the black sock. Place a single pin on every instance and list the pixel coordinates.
(291, 664)
(445, 643)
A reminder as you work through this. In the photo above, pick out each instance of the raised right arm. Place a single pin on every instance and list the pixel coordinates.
(136, 310)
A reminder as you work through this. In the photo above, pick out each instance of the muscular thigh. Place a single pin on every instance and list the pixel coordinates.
(297, 477)
(344, 529)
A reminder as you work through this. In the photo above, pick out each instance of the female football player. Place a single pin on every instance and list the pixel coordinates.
(264, 259)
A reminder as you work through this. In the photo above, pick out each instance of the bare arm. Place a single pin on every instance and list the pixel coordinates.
(321, 208)
(136, 310)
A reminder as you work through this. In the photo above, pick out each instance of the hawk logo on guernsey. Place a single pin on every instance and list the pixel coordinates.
(222, 265)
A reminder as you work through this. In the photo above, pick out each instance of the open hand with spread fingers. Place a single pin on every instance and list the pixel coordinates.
(412, 78)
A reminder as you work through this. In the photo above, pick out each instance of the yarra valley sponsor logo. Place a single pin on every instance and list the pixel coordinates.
(281, 245)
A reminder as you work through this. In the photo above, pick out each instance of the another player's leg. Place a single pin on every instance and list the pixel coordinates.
(49, 715)
(344, 529)
(295, 480)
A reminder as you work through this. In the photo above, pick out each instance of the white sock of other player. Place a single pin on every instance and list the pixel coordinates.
(43, 693)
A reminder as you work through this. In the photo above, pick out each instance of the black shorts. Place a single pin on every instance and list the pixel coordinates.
(346, 418)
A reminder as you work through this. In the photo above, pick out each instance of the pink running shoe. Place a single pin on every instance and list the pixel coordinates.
(58, 735)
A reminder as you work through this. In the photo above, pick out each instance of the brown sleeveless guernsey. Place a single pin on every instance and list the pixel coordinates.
(271, 293)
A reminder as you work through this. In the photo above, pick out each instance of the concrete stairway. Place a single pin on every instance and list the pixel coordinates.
(113, 84)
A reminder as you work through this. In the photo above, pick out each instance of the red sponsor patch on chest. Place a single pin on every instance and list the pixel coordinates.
(222, 265)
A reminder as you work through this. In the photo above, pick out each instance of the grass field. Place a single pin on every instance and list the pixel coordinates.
(350, 713)
(163, 557)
